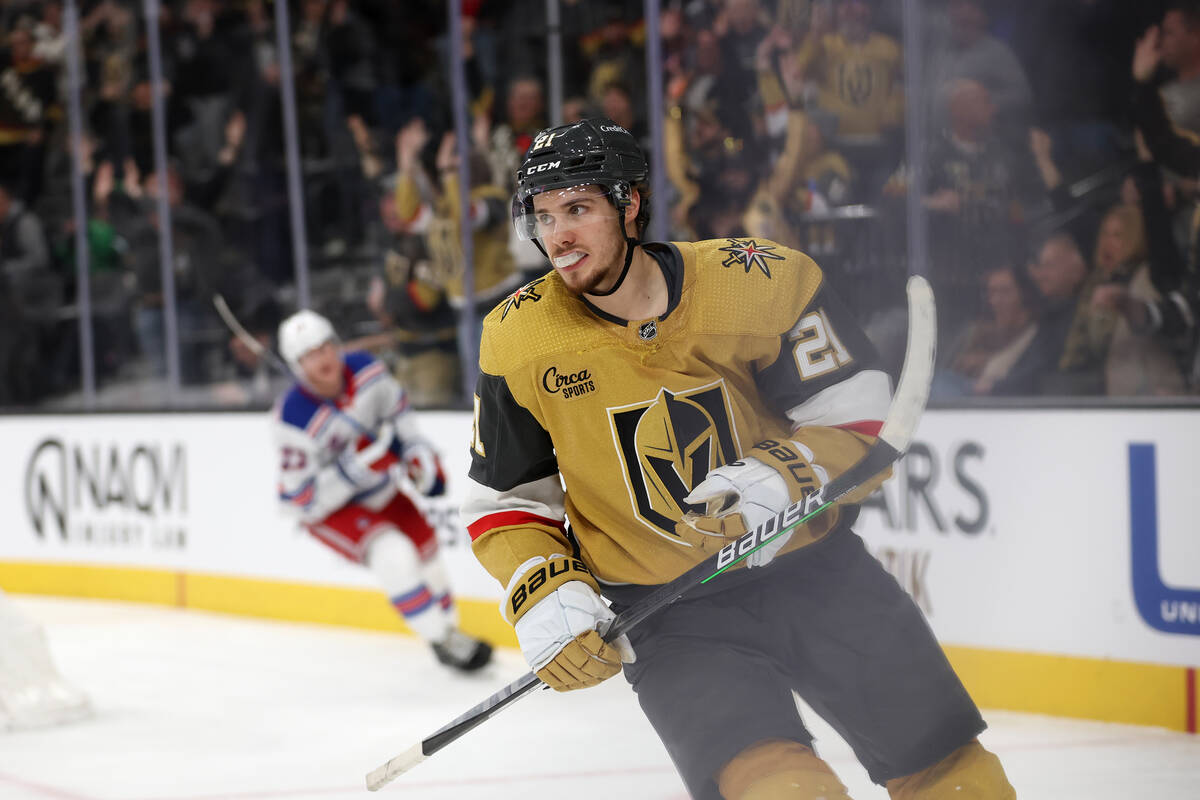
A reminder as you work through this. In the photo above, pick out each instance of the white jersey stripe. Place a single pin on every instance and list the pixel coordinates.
(542, 498)
(863, 397)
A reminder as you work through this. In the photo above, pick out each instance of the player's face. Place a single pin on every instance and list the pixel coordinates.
(582, 234)
(322, 368)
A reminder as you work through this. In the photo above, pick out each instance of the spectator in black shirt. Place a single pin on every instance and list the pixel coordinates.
(28, 102)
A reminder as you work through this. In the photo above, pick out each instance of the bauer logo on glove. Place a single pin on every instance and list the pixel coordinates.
(756, 490)
(560, 620)
(555, 571)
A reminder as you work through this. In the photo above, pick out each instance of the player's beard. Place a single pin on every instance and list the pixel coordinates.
(597, 279)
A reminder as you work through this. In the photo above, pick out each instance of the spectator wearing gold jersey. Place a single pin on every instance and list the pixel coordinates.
(803, 174)
(431, 208)
(855, 68)
(419, 335)
(714, 171)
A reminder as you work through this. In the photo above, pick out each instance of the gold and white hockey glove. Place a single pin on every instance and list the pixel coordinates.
(742, 495)
(559, 617)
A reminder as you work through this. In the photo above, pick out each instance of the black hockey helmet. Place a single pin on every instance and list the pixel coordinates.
(593, 151)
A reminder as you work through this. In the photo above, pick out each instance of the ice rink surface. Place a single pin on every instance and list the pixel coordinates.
(196, 706)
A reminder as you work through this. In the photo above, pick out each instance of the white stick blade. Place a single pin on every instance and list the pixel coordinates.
(383, 775)
(912, 390)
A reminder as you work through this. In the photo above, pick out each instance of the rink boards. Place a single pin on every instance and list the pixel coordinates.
(1055, 552)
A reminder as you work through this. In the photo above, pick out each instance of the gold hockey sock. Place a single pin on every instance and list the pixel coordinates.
(969, 773)
(778, 769)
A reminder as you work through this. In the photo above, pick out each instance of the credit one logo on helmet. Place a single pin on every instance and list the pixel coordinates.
(108, 495)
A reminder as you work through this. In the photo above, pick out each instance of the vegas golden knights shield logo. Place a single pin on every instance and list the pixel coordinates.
(856, 83)
(668, 445)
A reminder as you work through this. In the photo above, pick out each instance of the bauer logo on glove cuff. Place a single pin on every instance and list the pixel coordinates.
(789, 517)
(559, 570)
(799, 469)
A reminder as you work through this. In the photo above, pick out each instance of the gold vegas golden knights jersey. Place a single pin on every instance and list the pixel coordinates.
(860, 81)
(633, 414)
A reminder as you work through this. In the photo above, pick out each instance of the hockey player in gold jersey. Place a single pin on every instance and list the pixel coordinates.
(638, 405)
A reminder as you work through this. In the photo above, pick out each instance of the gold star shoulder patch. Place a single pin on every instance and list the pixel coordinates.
(748, 253)
(527, 293)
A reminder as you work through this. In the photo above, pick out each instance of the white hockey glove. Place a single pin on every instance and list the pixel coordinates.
(559, 619)
(424, 469)
(742, 495)
(367, 468)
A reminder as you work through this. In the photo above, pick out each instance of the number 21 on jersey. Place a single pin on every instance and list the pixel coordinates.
(818, 349)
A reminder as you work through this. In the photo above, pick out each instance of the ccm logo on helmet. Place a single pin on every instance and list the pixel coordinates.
(543, 167)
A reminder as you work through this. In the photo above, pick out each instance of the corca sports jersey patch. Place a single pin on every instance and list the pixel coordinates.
(568, 385)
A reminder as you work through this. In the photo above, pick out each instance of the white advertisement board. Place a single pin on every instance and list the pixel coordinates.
(1021, 530)
(1065, 532)
(192, 492)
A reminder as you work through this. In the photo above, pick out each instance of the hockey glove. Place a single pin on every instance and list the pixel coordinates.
(740, 496)
(559, 618)
(424, 469)
(367, 468)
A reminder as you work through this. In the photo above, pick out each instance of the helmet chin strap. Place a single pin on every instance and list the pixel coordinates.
(629, 245)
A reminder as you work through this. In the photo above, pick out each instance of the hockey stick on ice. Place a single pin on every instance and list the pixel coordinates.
(908, 403)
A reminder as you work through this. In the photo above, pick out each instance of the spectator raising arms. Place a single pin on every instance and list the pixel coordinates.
(1180, 45)
(1102, 350)
(856, 69)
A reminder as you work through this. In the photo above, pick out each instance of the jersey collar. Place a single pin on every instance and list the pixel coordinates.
(669, 260)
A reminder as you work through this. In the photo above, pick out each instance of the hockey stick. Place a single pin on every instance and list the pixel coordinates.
(908, 403)
(272, 358)
(247, 339)
(269, 355)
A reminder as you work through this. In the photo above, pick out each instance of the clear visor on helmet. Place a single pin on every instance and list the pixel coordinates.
(557, 211)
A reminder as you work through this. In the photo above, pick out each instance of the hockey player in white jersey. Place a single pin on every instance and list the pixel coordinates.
(350, 453)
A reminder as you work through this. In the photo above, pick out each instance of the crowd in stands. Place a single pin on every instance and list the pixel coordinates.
(1059, 177)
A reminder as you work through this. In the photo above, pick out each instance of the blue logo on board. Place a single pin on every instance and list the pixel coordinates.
(1165, 608)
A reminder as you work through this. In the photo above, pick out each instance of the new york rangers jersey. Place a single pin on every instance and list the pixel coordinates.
(319, 440)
